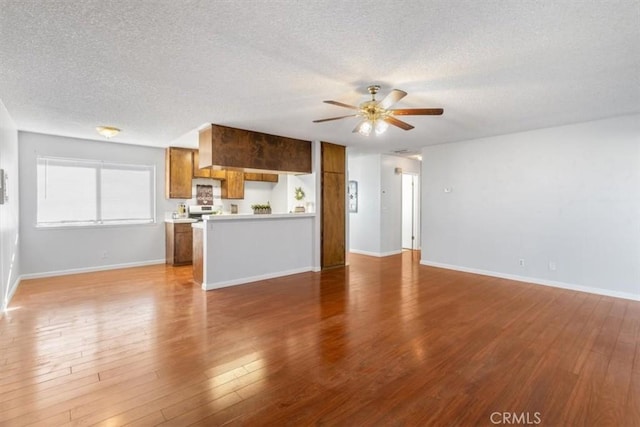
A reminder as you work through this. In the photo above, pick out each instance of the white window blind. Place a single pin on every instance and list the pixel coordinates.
(87, 192)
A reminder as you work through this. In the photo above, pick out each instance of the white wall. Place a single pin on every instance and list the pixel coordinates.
(364, 225)
(376, 229)
(58, 251)
(10, 267)
(566, 200)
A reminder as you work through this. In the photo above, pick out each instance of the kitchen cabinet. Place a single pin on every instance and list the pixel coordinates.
(264, 177)
(217, 174)
(238, 148)
(248, 176)
(233, 186)
(178, 174)
(178, 243)
(333, 225)
(270, 177)
(197, 172)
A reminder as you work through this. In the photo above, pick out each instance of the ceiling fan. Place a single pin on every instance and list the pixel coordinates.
(377, 116)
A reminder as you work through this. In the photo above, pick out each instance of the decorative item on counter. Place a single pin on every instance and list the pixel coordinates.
(182, 210)
(234, 209)
(261, 209)
(299, 196)
(204, 194)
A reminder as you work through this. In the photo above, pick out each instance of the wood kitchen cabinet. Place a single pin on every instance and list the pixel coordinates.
(233, 186)
(197, 172)
(264, 177)
(333, 225)
(178, 174)
(270, 177)
(250, 176)
(238, 148)
(218, 174)
(178, 243)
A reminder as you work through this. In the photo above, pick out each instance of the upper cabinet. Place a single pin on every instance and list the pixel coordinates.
(184, 164)
(179, 170)
(238, 148)
(233, 185)
(197, 171)
(265, 177)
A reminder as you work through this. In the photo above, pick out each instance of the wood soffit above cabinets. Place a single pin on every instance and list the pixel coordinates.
(227, 147)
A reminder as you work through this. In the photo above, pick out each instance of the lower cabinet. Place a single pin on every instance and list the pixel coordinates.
(178, 243)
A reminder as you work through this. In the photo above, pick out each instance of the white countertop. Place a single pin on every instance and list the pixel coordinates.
(230, 217)
(180, 220)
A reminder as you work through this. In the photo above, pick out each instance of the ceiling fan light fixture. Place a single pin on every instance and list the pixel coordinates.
(108, 131)
(380, 127)
(365, 128)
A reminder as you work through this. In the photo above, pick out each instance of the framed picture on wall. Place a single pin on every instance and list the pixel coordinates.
(352, 192)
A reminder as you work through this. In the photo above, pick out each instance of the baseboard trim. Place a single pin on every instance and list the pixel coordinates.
(535, 281)
(375, 254)
(91, 269)
(245, 280)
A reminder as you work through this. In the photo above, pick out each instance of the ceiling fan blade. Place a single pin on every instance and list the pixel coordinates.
(340, 104)
(393, 97)
(334, 118)
(399, 123)
(417, 112)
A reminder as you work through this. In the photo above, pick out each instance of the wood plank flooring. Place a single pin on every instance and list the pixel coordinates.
(384, 341)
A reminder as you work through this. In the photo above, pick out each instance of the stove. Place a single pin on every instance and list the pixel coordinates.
(196, 211)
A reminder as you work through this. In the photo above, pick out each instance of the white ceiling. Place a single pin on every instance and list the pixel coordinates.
(159, 69)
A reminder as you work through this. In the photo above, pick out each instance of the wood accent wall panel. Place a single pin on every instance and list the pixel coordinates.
(238, 148)
(333, 228)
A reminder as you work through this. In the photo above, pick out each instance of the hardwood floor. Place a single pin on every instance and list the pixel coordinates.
(382, 342)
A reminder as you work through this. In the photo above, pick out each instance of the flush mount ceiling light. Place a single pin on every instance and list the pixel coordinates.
(376, 115)
(107, 131)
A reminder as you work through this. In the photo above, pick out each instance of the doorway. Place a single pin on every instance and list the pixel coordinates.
(410, 211)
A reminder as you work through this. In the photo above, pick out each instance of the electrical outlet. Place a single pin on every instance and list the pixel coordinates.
(521, 262)
(552, 265)
(105, 254)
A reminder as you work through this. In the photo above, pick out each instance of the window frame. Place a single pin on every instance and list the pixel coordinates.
(99, 165)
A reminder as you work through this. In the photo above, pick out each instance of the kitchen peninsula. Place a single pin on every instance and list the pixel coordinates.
(235, 249)
(250, 169)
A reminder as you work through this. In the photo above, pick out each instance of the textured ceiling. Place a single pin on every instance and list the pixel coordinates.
(160, 69)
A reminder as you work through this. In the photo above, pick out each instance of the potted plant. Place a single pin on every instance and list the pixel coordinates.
(299, 196)
(261, 209)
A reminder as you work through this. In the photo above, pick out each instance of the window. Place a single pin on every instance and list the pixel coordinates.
(87, 192)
